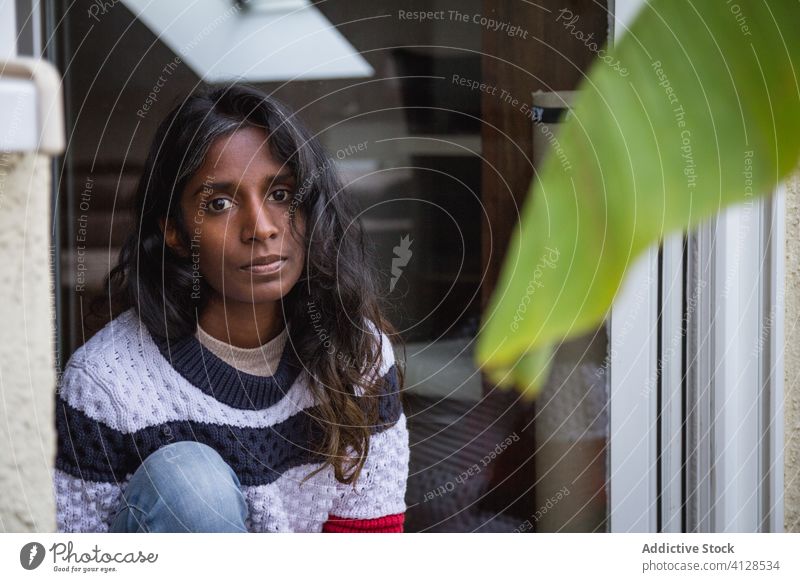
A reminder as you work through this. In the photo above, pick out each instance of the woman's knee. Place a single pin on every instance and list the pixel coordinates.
(187, 486)
(184, 456)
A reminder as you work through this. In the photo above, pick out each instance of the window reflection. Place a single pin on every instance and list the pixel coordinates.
(408, 142)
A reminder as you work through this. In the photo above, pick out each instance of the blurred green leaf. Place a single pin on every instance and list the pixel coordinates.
(708, 116)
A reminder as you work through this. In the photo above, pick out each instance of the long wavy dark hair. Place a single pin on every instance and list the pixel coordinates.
(337, 293)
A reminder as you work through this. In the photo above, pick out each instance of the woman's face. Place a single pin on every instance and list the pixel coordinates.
(238, 211)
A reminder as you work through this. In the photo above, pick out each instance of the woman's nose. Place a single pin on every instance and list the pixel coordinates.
(259, 223)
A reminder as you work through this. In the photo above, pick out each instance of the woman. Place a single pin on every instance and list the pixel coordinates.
(248, 382)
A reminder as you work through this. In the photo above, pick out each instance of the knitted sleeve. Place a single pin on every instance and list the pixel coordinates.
(377, 501)
(86, 489)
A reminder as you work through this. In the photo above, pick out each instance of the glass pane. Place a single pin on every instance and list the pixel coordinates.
(408, 140)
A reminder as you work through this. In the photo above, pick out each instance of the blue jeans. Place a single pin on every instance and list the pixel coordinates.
(184, 486)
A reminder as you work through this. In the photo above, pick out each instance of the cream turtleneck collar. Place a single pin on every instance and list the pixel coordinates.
(260, 361)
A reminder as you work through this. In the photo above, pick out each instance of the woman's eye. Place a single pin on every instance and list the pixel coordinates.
(281, 195)
(216, 204)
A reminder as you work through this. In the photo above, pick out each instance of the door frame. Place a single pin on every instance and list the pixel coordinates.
(696, 375)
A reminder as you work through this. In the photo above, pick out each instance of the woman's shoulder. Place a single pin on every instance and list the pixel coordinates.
(386, 374)
(113, 339)
(387, 359)
(93, 367)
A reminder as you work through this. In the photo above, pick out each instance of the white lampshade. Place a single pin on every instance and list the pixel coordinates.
(255, 41)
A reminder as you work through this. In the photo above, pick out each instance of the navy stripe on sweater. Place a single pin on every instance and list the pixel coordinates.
(214, 376)
(91, 450)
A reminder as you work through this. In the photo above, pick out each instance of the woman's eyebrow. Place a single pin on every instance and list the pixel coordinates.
(270, 179)
(209, 186)
(282, 177)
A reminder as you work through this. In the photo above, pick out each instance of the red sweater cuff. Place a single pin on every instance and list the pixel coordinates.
(385, 524)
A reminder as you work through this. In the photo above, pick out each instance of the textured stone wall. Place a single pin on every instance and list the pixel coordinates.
(27, 358)
(792, 359)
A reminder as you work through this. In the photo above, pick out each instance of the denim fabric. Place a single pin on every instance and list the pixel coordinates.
(184, 486)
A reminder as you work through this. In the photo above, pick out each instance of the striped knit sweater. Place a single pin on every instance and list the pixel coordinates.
(124, 394)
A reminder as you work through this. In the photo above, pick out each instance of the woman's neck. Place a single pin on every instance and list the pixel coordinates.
(242, 325)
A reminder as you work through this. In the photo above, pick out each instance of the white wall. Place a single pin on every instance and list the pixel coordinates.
(792, 359)
(27, 360)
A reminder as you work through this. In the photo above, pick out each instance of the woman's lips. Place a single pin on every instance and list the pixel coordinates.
(267, 269)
